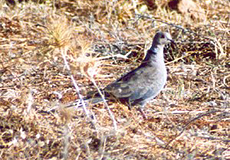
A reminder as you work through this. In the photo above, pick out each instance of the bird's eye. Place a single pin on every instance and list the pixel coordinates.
(162, 36)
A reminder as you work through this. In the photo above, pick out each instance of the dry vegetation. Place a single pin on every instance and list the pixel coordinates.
(47, 47)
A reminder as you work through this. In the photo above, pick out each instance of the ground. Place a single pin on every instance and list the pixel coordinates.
(54, 52)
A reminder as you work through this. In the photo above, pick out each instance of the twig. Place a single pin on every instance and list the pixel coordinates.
(189, 122)
(66, 137)
(74, 82)
(106, 105)
(76, 86)
(215, 138)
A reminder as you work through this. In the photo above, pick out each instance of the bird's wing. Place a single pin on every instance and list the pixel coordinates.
(134, 84)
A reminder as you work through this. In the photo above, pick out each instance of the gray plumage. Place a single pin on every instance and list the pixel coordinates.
(142, 84)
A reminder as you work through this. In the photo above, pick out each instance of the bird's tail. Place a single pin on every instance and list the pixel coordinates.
(87, 101)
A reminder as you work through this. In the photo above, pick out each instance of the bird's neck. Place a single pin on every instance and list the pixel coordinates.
(155, 55)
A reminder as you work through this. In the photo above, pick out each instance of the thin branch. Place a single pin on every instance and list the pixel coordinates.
(74, 82)
(106, 104)
(189, 122)
(63, 52)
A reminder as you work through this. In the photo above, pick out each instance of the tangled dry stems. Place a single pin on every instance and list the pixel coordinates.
(101, 40)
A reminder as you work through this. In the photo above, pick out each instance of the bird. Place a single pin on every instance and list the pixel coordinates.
(144, 83)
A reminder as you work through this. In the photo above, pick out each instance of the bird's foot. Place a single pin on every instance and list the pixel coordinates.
(142, 113)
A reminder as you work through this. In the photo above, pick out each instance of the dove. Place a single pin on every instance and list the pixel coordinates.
(139, 86)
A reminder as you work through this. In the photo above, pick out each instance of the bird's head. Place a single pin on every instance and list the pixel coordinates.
(162, 38)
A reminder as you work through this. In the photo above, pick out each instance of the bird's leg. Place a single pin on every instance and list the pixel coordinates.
(130, 107)
(139, 109)
(142, 113)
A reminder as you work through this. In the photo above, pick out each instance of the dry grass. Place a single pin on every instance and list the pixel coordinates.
(45, 48)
